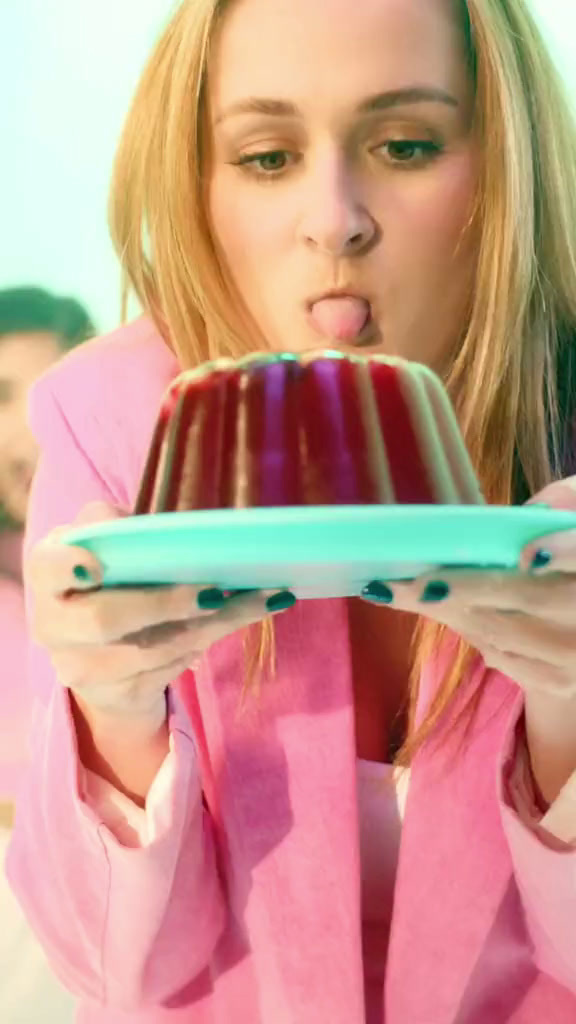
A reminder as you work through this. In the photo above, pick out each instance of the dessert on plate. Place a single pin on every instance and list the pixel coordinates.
(321, 428)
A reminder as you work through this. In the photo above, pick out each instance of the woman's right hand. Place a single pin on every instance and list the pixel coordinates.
(117, 650)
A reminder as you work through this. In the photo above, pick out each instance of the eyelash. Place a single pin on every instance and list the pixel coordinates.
(249, 162)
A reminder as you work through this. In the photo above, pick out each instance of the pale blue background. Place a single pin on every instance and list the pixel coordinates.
(67, 72)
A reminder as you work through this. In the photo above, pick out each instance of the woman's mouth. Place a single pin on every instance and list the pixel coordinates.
(343, 318)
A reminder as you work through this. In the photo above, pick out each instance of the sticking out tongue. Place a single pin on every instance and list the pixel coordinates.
(341, 317)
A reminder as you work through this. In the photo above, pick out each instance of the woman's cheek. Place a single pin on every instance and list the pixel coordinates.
(450, 215)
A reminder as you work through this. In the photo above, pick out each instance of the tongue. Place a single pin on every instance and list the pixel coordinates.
(342, 318)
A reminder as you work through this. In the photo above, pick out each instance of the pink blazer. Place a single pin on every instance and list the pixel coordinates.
(15, 709)
(246, 907)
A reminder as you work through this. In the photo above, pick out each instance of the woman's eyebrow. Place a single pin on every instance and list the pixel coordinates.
(372, 104)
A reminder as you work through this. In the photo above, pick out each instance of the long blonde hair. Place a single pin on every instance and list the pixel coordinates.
(503, 379)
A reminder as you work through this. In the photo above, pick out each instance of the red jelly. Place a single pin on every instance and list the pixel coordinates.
(316, 429)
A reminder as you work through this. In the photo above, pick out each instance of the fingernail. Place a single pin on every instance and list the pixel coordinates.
(541, 560)
(83, 575)
(435, 592)
(281, 602)
(211, 599)
(378, 592)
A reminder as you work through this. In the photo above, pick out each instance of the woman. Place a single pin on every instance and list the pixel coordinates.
(36, 327)
(184, 863)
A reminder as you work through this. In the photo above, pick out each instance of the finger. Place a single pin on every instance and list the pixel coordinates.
(158, 636)
(108, 616)
(116, 665)
(520, 634)
(439, 596)
(560, 494)
(554, 553)
(531, 674)
(56, 568)
(98, 512)
(237, 614)
(165, 631)
(79, 667)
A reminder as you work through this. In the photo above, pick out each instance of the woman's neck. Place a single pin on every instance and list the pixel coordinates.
(380, 643)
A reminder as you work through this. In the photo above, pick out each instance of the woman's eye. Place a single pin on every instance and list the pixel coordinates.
(410, 151)
(273, 163)
(266, 164)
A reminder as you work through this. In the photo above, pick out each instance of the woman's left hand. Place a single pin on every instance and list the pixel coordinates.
(523, 624)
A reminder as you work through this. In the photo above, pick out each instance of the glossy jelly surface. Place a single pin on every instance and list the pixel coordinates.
(320, 429)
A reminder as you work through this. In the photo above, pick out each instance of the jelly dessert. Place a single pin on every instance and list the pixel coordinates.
(320, 428)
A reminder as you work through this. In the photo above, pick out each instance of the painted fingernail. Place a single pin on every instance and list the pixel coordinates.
(541, 560)
(211, 599)
(83, 575)
(435, 592)
(281, 602)
(378, 592)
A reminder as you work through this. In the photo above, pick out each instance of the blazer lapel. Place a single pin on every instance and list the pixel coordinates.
(279, 776)
(454, 866)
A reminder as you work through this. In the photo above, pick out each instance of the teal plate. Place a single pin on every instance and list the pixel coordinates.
(315, 551)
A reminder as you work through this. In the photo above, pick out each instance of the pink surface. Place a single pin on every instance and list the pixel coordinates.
(246, 907)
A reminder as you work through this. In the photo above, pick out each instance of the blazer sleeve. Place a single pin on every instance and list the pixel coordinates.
(124, 926)
(543, 854)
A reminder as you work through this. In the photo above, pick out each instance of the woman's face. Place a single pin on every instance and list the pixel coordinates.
(23, 358)
(341, 158)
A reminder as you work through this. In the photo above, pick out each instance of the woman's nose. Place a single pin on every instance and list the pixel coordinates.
(335, 221)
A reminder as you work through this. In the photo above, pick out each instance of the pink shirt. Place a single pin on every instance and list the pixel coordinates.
(244, 903)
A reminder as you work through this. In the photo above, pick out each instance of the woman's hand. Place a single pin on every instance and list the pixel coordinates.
(118, 649)
(523, 624)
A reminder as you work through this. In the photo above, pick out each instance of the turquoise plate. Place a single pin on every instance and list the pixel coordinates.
(315, 551)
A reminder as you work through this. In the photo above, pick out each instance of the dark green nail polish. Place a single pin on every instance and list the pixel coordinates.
(82, 574)
(378, 592)
(541, 560)
(211, 600)
(435, 593)
(281, 602)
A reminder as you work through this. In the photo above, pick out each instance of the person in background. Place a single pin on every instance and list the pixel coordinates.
(36, 328)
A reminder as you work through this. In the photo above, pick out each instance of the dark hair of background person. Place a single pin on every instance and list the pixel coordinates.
(27, 310)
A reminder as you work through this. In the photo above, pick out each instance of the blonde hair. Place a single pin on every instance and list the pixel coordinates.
(503, 378)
